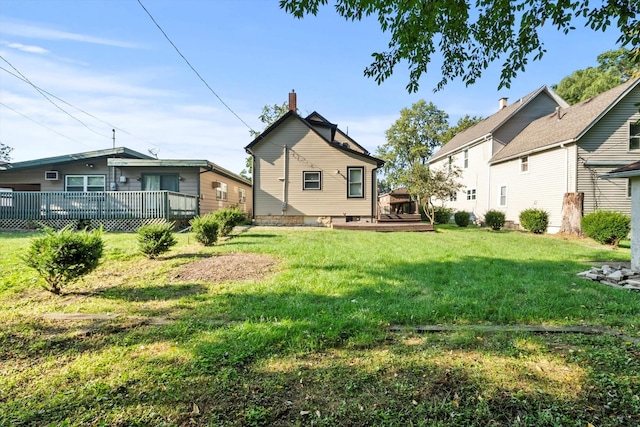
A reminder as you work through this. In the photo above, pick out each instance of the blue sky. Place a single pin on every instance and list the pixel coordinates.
(107, 58)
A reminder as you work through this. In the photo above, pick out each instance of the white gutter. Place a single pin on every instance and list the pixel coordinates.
(535, 150)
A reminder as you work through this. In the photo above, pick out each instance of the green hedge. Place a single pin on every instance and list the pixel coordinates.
(462, 218)
(494, 219)
(156, 239)
(534, 220)
(606, 227)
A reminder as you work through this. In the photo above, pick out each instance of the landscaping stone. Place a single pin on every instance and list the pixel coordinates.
(617, 277)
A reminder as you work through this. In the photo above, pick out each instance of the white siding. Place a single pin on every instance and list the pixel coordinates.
(542, 187)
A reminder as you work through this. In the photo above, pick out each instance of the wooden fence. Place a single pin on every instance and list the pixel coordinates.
(167, 205)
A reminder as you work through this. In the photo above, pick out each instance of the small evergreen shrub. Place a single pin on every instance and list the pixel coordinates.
(462, 218)
(62, 257)
(606, 227)
(155, 239)
(442, 215)
(494, 219)
(534, 220)
(206, 229)
(227, 219)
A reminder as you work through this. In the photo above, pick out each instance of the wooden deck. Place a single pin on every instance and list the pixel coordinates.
(384, 226)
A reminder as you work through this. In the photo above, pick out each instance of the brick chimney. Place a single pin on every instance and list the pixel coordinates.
(293, 101)
(503, 103)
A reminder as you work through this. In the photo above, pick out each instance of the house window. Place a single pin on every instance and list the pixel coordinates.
(312, 180)
(5, 197)
(355, 182)
(450, 162)
(160, 182)
(221, 191)
(466, 159)
(503, 196)
(629, 187)
(84, 182)
(471, 194)
(634, 136)
(453, 197)
(242, 195)
(524, 164)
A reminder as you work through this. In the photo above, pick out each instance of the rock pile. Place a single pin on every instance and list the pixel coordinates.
(617, 277)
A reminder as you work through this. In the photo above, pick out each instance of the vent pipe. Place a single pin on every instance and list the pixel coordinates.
(503, 103)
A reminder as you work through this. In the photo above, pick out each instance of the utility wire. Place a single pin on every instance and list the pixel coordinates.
(49, 99)
(40, 124)
(191, 66)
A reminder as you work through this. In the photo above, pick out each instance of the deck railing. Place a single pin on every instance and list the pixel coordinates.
(97, 205)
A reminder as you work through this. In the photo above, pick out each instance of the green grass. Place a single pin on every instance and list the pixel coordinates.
(310, 344)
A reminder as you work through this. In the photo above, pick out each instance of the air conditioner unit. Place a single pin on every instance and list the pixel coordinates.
(51, 176)
(215, 184)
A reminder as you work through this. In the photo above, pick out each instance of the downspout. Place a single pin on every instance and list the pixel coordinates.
(374, 194)
(285, 153)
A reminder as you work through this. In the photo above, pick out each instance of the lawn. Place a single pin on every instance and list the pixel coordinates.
(327, 338)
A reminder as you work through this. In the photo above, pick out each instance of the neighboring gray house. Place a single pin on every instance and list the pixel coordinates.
(562, 152)
(632, 174)
(306, 171)
(118, 188)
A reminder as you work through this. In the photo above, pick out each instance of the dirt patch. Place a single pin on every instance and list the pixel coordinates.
(227, 267)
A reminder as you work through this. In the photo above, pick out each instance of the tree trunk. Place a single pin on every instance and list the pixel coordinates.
(572, 213)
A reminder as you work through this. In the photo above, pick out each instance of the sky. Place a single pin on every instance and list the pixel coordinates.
(104, 64)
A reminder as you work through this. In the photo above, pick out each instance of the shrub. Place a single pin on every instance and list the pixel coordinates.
(462, 218)
(494, 219)
(227, 219)
(534, 220)
(606, 227)
(155, 239)
(442, 215)
(206, 229)
(64, 256)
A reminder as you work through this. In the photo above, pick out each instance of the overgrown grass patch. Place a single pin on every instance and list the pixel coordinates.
(310, 344)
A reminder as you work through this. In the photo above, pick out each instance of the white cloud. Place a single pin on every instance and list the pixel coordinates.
(27, 48)
(42, 33)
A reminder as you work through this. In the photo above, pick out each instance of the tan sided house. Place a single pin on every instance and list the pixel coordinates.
(306, 171)
(117, 188)
(541, 153)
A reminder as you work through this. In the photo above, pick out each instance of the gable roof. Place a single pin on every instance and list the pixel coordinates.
(312, 121)
(118, 151)
(486, 127)
(567, 125)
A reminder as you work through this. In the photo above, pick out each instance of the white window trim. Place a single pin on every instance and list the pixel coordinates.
(506, 195)
(634, 137)
(85, 182)
(349, 182)
(524, 160)
(221, 191)
(305, 180)
(472, 194)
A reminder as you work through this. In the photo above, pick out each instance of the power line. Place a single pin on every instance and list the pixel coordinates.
(49, 99)
(191, 66)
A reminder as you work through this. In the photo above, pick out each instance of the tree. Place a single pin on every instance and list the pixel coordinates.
(463, 124)
(270, 115)
(615, 67)
(470, 36)
(5, 151)
(412, 139)
(428, 185)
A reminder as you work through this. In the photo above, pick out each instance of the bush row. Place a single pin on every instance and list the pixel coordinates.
(62, 257)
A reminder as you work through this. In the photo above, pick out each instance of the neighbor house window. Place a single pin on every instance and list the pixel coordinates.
(524, 164)
(160, 182)
(453, 197)
(629, 187)
(634, 136)
(466, 159)
(221, 191)
(450, 162)
(503, 196)
(84, 182)
(471, 194)
(242, 195)
(312, 180)
(355, 182)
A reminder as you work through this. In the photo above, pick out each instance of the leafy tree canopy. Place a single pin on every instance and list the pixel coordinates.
(464, 123)
(615, 67)
(470, 36)
(427, 185)
(412, 139)
(5, 152)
